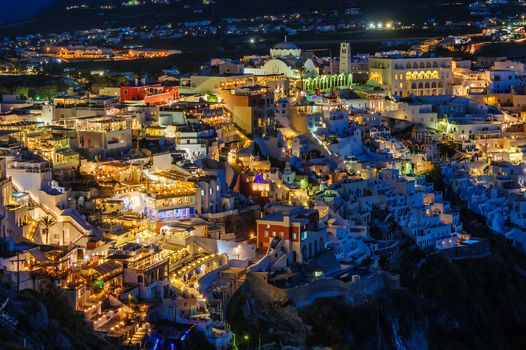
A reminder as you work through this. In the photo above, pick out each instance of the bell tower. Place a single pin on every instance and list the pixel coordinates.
(345, 57)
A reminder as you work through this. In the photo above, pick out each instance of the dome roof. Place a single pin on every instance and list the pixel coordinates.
(286, 45)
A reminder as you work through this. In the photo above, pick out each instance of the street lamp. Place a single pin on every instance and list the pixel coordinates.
(246, 339)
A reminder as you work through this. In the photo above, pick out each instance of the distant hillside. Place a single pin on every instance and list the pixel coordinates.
(56, 18)
(380, 9)
(393, 9)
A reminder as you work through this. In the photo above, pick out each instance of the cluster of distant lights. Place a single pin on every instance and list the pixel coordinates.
(380, 25)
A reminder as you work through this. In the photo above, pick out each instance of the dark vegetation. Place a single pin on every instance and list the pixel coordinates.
(35, 86)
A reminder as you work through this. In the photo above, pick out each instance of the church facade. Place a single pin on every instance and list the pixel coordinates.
(288, 60)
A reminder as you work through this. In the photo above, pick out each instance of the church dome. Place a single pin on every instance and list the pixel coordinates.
(285, 49)
(286, 45)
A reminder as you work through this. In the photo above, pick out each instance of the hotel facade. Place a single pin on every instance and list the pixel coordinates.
(418, 76)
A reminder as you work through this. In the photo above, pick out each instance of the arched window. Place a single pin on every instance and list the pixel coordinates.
(428, 64)
(140, 279)
(341, 80)
(420, 85)
(421, 76)
(408, 65)
(413, 86)
(333, 80)
(415, 65)
(434, 75)
(433, 85)
(435, 64)
(422, 65)
(426, 85)
(408, 76)
(315, 83)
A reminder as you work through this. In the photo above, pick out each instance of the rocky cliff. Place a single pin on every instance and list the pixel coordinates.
(45, 320)
(443, 304)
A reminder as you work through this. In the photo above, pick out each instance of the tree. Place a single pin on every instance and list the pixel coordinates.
(22, 91)
(300, 67)
(46, 92)
(47, 222)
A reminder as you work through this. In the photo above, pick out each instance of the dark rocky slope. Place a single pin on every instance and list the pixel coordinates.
(47, 321)
(443, 304)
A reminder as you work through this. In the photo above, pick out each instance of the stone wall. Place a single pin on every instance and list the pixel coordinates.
(476, 250)
(353, 292)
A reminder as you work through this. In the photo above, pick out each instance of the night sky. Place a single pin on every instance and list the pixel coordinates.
(14, 10)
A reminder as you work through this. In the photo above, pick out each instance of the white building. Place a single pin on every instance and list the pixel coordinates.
(104, 135)
(407, 75)
(418, 113)
(195, 142)
(420, 211)
(502, 81)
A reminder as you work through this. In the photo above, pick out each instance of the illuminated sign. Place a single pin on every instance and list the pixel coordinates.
(170, 203)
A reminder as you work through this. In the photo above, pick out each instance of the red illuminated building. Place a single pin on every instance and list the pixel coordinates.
(296, 226)
(152, 95)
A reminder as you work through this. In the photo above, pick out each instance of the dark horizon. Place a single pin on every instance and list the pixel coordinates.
(21, 10)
